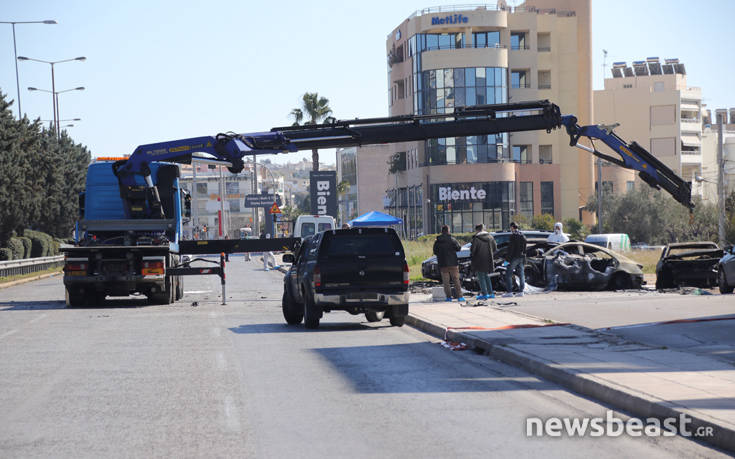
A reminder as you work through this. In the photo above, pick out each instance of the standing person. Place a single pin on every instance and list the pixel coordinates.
(516, 259)
(445, 249)
(558, 234)
(482, 250)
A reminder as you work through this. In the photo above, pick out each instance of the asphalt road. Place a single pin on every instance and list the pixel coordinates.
(203, 379)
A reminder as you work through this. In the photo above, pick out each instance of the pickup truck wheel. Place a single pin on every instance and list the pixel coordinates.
(397, 320)
(374, 316)
(74, 298)
(311, 312)
(722, 281)
(292, 311)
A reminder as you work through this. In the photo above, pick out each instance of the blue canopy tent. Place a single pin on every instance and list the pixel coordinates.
(374, 218)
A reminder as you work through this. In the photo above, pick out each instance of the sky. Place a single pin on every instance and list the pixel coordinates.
(171, 69)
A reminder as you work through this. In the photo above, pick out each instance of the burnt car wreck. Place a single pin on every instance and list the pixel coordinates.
(691, 264)
(582, 266)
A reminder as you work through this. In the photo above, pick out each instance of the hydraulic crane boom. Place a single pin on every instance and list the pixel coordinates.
(465, 121)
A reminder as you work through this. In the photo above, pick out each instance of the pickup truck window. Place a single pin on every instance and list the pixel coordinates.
(324, 227)
(349, 245)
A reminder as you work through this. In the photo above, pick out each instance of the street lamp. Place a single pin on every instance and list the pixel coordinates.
(57, 117)
(15, 51)
(53, 82)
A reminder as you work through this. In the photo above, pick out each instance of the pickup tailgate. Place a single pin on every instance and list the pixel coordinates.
(362, 260)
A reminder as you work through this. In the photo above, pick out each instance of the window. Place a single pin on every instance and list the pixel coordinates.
(202, 189)
(663, 115)
(519, 79)
(521, 154)
(658, 86)
(527, 200)
(607, 187)
(544, 79)
(232, 188)
(486, 39)
(518, 40)
(629, 185)
(663, 147)
(544, 42)
(627, 86)
(234, 205)
(544, 154)
(547, 198)
(434, 41)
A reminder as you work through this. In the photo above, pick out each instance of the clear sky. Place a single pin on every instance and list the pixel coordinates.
(169, 69)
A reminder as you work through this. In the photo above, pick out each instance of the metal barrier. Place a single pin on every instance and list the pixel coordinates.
(29, 265)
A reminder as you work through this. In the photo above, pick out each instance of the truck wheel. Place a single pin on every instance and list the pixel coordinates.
(397, 320)
(74, 298)
(292, 311)
(722, 281)
(166, 296)
(311, 312)
(374, 316)
(179, 287)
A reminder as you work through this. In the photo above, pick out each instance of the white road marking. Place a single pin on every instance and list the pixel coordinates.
(232, 418)
(196, 292)
(8, 333)
(37, 318)
(221, 361)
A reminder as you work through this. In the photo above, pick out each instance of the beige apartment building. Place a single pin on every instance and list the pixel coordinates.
(655, 107)
(446, 57)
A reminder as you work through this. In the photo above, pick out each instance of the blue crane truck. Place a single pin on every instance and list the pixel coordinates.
(132, 211)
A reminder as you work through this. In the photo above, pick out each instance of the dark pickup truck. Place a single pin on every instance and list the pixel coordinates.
(359, 270)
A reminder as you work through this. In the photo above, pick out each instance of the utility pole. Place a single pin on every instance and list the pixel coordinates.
(720, 181)
(599, 195)
(194, 201)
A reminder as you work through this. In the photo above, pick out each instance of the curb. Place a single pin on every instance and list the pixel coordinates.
(27, 279)
(638, 404)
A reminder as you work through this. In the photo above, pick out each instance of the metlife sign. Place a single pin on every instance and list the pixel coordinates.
(451, 19)
(324, 193)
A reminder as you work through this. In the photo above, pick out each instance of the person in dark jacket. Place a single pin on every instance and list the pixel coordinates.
(482, 250)
(445, 249)
(516, 259)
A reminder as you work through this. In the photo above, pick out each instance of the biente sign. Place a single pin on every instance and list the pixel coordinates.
(446, 193)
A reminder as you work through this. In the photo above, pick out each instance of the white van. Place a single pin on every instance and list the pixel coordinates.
(307, 225)
(619, 242)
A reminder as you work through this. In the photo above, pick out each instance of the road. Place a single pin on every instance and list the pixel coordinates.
(201, 379)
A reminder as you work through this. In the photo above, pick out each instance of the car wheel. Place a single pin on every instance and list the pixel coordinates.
(311, 312)
(621, 281)
(74, 298)
(722, 281)
(374, 316)
(292, 311)
(397, 320)
(663, 280)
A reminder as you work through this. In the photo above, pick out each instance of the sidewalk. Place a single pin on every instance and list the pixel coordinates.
(645, 381)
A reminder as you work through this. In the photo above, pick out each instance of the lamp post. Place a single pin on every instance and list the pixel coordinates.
(53, 81)
(15, 52)
(57, 120)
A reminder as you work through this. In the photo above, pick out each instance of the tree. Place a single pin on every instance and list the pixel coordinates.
(317, 109)
(543, 222)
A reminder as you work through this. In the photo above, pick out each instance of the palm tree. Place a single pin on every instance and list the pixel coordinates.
(317, 109)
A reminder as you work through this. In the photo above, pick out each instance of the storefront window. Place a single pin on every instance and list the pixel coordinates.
(462, 206)
(547, 198)
(526, 200)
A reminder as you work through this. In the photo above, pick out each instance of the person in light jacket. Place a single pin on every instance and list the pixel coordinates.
(482, 250)
(558, 234)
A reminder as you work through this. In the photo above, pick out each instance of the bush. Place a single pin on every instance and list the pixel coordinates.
(27, 244)
(16, 246)
(42, 243)
(6, 254)
(543, 222)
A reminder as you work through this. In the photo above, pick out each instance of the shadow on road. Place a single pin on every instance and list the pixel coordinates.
(114, 303)
(248, 329)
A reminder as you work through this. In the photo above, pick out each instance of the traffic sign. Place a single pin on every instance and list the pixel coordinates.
(275, 209)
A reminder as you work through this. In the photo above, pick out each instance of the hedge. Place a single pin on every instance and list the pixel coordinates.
(27, 245)
(6, 254)
(16, 246)
(42, 243)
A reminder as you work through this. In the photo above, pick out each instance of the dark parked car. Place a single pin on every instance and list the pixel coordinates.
(430, 268)
(583, 266)
(359, 270)
(688, 264)
(726, 271)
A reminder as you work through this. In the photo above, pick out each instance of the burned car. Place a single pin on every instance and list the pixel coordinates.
(726, 271)
(692, 264)
(583, 266)
(430, 267)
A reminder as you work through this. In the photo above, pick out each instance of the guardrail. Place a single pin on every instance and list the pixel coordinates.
(29, 265)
